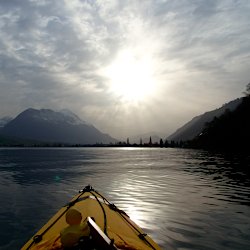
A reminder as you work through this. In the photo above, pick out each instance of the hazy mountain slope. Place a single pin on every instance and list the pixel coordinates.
(4, 121)
(196, 125)
(230, 131)
(50, 126)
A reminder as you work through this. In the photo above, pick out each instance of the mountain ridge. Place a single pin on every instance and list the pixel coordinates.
(195, 126)
(230, 132)
(46, 125)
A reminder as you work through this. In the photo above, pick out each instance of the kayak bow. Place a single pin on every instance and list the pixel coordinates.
(90, 221)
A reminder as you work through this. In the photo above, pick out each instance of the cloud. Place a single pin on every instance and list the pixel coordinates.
(53, 54)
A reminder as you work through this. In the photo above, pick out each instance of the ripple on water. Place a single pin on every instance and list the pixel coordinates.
(185, 199)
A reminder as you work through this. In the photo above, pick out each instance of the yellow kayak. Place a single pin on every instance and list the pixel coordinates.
(90, 221)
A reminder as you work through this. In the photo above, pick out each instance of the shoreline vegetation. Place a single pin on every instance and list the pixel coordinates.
(14, 143)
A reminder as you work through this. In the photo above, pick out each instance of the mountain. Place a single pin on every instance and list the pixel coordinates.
(46, 125)
(196, 125)
(228, 132)
(4, 121)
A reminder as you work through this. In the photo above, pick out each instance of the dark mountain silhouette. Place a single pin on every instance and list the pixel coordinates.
(196, 125)
(229, 132)
(46, 125)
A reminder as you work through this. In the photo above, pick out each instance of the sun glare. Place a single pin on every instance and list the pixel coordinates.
(131, 77)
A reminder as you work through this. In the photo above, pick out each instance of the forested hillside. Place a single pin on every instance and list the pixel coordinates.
(230, 131)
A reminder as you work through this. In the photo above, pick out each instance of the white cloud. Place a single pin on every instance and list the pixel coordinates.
(53, 53)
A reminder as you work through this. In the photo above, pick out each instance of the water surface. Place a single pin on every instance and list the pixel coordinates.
(185, 199)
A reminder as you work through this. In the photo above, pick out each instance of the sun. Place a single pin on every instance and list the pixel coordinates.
(130, 76)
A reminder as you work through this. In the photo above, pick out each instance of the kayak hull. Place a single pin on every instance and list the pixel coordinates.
(114, 225)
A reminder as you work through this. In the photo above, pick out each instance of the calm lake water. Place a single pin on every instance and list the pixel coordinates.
(184, 199)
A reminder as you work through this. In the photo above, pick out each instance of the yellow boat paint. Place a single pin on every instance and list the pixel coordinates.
(114, 225)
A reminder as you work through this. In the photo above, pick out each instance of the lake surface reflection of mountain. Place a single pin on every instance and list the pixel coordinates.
(185, 199)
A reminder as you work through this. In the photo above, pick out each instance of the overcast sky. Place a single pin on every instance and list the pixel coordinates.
(128, 67)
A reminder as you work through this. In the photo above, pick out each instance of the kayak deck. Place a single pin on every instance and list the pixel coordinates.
(110, 227)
